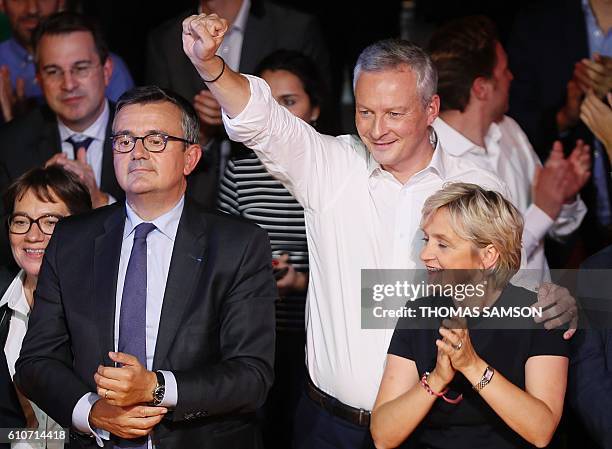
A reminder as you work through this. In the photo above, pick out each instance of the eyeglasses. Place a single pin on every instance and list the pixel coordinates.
(21, 223)
(79, 71)
(153, 143)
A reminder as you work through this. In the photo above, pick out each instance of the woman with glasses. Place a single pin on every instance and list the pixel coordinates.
(36, 202)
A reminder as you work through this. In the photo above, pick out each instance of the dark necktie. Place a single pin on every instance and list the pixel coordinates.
(132, 318)
(76, 144)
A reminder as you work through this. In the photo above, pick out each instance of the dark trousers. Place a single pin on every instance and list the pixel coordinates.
(316, 428)
(289, 375)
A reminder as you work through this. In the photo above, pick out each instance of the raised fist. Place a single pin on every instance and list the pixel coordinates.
(202, 36)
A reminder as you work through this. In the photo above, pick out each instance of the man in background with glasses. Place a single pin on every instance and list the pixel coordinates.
(72, 130)
(154, 322)
(19, 88)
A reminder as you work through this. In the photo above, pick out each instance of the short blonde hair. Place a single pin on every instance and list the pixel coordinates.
(483, 217)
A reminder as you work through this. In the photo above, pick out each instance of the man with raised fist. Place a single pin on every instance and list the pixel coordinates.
(363, 198)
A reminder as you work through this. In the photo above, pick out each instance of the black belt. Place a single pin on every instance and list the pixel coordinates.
(357, 416)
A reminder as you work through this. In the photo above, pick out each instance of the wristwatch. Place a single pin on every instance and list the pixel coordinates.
(485, 379)
(160, 389)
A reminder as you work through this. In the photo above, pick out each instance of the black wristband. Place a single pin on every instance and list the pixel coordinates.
(219, 76)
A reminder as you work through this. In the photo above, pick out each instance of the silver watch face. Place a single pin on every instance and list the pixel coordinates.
(158, 394)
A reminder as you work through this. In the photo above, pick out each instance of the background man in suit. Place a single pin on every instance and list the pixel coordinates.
(258, 28)
(17, 69)
(205, 348)
(73, 71)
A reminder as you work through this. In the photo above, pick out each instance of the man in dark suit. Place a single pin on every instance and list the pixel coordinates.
(153, 318)
(258, 27)
(549, 52)
(590, 381)
(73, 128)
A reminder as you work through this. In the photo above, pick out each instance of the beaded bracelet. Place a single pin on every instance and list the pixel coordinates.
(428, 389)
(442, 394)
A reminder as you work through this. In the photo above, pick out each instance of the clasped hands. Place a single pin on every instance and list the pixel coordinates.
(81, 169)
(455, 349)
(560, 179)
(11, 100)
(124, 392)
(590, 75)
(597, 115)
(455, 352)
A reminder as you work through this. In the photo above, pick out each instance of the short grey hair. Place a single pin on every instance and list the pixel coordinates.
(483, 217)
(389, 54)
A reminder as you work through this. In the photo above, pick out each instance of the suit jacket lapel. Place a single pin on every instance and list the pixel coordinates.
(183, 276)
(108, 182)
(49, 143)
(255, 39)
(107, 248)
(192, 80)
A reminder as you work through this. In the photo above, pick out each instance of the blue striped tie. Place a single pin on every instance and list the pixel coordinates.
(132, 319)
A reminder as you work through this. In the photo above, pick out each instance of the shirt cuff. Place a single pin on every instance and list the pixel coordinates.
(111, 199)
(253, 118)
(569, 210)
(80, 418)
(171, 391)
(569, 218)
(537, 222)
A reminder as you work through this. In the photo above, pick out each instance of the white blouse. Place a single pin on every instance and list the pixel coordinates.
(17, 302)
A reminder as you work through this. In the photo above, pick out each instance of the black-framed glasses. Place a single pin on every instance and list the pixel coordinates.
(21, 223)
(153, 143)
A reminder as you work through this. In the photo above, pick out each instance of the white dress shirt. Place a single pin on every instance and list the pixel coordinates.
(231, 47)
(160, 243)
(17, 302)
(509, 154)
(97, 131)
(357, 216)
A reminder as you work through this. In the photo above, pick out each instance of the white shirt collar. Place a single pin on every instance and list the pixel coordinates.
(494, 134)
(167, 223)
(96, 130)
(15, 295)
(456, 144)
(242, 16)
